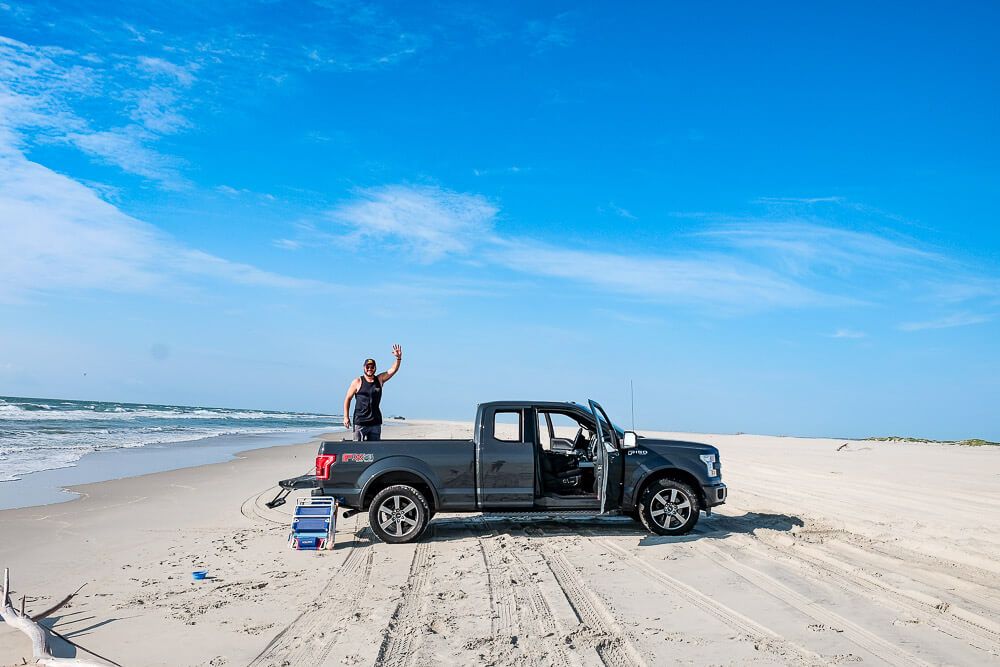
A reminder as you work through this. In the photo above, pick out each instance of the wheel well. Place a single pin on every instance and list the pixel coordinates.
(390, 478)
(677, 475)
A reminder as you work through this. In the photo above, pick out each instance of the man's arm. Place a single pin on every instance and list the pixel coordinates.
(352, 389)
(397, 352)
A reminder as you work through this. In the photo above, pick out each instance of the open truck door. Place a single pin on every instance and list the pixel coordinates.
(607, 460)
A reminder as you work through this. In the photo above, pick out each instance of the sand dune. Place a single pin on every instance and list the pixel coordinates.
(873, 553)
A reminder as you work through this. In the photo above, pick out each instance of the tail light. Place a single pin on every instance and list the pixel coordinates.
(323, 463)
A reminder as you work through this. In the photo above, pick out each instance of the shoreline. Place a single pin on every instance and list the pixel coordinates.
(57, 485)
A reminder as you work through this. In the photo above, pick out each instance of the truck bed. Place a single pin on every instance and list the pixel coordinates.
(446, 468)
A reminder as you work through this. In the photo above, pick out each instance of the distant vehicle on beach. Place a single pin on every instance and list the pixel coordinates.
(542, 457)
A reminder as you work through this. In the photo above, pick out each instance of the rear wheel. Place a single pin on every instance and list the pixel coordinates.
(669, 507)
(399, 514)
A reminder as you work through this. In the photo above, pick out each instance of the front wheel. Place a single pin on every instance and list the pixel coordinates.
(669, 507)
(398, 514)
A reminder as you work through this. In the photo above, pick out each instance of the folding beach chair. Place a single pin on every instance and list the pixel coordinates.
(314, 524)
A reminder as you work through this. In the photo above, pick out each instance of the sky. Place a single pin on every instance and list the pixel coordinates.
(770, 218)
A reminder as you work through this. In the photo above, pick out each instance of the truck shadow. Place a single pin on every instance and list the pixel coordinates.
(712, 527)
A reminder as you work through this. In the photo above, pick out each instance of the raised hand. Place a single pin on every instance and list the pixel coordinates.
(397, 351)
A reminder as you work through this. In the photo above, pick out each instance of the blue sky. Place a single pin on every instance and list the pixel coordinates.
(775, 218)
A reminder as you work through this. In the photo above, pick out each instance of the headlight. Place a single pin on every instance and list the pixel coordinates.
(709, 461)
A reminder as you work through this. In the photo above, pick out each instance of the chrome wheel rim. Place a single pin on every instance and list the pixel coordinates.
(670, 509)
(398, 516)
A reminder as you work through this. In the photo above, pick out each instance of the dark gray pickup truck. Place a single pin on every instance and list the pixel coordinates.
(524, 457)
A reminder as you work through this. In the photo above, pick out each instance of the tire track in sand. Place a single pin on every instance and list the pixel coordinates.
(871, 642)
(959, 623)
(401, 640)
(307, 640)
(520, 611)
(254, 509)
(614, 647)
(763, 637)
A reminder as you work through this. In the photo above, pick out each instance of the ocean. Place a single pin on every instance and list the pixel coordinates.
(38, 434)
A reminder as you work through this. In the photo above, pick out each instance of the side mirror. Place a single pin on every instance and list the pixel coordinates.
(630, 440)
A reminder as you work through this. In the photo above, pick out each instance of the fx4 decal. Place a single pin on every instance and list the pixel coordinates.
(357, 458)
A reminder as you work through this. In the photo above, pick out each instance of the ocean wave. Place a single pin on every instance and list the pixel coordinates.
(41, 434)
(17, 413)
(64, 451)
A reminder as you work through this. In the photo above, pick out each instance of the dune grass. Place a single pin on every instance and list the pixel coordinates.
(972, 442)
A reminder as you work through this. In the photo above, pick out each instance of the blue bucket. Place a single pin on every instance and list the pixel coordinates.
(199, 574)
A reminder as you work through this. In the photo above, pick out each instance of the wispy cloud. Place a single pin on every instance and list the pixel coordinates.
(56, 234)
(714, 279)
(41, 88)
(614, 209)
(731, 265)
(287, 244)
(514, 169)
(230, 191)
(801, 247)
(558, 31)
(848, 333)
(183, 75)
(947, 322)
(428, 222)
(799, 200)
(126, 148)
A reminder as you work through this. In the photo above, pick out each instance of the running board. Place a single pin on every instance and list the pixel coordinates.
(555, 514)
(556, 503)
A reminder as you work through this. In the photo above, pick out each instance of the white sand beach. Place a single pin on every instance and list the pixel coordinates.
(871, 553)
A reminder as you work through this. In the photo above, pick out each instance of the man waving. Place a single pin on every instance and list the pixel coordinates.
(366, 391)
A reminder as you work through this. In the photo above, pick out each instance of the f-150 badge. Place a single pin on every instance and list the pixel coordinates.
(637, 452)
(357, 458)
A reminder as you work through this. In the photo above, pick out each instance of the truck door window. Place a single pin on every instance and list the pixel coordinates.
(508, 426)
(565, 431)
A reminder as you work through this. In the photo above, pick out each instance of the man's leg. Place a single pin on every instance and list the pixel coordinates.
(367, 432)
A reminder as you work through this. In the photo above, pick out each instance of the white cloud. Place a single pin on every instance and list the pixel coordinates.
(158, 66)
(614, 209)
(734, 265)
(801, 247)
(712, 279)
(429, 222)
(41, 86)
(799, 200)
(125, 148)
(848, 333)
(547, 34)
(56, 234)
(948, 322)
(505, 170)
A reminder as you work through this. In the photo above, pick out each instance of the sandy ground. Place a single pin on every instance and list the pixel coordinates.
(873, 553)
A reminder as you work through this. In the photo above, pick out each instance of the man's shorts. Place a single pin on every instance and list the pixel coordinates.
(368, 432)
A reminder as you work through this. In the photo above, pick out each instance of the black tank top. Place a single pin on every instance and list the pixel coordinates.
(366, 402)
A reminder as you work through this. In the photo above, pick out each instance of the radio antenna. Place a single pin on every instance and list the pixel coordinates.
(631, 391)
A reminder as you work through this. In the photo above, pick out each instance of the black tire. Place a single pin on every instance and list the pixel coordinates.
(669, 507)
(399, 514)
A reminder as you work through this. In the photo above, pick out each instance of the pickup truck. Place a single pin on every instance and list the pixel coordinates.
(543, 457)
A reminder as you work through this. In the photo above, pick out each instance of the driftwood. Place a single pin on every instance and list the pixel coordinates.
(36, 633)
